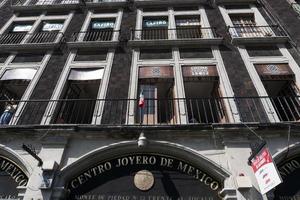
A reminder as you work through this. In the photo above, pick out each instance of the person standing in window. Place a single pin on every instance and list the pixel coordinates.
(10, 108)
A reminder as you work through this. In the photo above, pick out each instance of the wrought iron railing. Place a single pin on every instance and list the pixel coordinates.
(30, 38)
(194, 32)
(103, 1)
(43, 2)
(90, 36)
(252, 31)
(154, 112)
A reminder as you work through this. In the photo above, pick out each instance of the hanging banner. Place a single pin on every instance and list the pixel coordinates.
(103, 25)
(265, 171)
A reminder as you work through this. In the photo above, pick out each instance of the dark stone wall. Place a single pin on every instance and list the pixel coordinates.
(120, 74)
(5, 13)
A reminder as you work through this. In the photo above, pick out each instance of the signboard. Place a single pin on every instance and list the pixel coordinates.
(103, 25)
(289, 170)
(267, 71)
(265, 171)
(188, 22)
(198, 71)
(144, 176)
(11, 176)
(22, 28)
(52, 27)
(156, 72)
(155, 23)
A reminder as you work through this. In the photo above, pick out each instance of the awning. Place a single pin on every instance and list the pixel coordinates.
(86, 74)
(19, 74)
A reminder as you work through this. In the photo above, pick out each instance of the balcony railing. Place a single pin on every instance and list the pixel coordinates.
(257, 33)
(156, 112)
(180, 36)
(92, 36)
(175, 34)
(44, 4)
(19, 40)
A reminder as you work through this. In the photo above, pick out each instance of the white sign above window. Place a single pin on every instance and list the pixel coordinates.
(22, 28)
(44, 2)
(156, 23)
(52, 27)
(188, 22)
(103, 25)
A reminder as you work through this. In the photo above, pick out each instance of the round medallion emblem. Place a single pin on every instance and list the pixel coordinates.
(144, 180)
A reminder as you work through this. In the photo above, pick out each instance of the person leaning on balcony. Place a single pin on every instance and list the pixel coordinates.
(10, 108)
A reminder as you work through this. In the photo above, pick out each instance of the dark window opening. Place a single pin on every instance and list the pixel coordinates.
(284, 97)
(100, 30)
(263, 51)
(155, 54)
(186, 8)
(203, 102)
(78, 98)
(99, 55)
(155, 28)
(28, 57)
(47, 32)
(195, 53)
(159, 106)
(3, 57)
(188, 27)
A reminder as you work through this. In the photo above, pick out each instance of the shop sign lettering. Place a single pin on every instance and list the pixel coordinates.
(142, 161)
(13, 171)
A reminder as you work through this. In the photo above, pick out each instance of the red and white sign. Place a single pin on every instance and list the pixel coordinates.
(265, 171)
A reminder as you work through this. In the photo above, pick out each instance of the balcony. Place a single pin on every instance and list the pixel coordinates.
(180, 36)
(156, 112)
(41, 40)
(257, 34)
(105, 3)
(21, 5)
(92, 39)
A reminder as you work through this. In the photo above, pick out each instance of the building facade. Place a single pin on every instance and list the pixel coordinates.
(147, 99)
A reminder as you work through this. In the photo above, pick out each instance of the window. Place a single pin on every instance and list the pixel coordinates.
(21, 27)
(201, 84)
(13, 85)
(100, 30)
(99, 55)
(188, 27)
(195, 53)
(279, 82)
(155, 28)
(79, 96)
(157, 86)
(254, 51)
(28, 57)
(155, 54)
